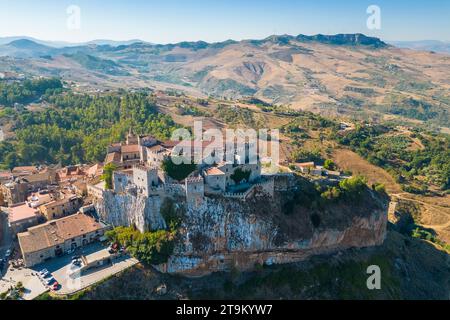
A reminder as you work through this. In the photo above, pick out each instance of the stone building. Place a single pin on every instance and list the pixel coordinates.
(122, 180)
(145, 179)
(14, 192)
(195, 189)
(22, 216)
(59, 208)
(55, 238)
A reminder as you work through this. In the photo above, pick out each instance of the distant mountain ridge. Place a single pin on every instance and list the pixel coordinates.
(338, 39)
(343, 73)
(27, 47)
(424, 45)
(62, 44)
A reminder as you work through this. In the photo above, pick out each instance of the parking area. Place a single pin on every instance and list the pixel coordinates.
(69, 277)
(72, 279)
(31, 282)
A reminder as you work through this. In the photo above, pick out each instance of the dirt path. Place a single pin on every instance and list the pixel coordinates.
(431, 212)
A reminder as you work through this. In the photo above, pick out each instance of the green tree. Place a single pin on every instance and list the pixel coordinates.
(354, 186)
(178, 172)
(329, 165)
(107, 176)
(240, 175)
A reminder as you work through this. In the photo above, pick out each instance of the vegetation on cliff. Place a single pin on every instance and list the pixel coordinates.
(107, 175)
(152, 247)
(148, 247)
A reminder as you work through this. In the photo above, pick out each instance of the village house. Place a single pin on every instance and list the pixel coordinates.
(70, 174)
(24, 171)
(14, 192)
(40, 180)
(94, 171)
(5, 176)
(22, 216)
(305, 167)
(40, 198)
(59, 208)
(56, 237)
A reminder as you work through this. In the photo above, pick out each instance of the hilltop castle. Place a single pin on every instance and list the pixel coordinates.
(140, 174)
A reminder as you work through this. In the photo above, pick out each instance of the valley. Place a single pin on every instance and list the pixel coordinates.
(348, 107)
(355, 76)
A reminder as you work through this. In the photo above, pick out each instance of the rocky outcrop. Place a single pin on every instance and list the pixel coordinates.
(131, 210)
(344, 39)
(219, 233)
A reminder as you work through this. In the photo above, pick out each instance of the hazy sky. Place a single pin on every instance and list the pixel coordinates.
(216, 20)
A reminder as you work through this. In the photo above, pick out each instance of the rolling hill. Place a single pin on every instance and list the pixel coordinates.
(347, 74)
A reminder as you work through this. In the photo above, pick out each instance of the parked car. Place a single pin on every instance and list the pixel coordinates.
(8, 253)
(113, 248)
(43, 272)
(74, 258)
(76, 263)
(50, 281)
(55, 286)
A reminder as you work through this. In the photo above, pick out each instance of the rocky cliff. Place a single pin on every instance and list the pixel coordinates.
(220, 234)
(131, 210)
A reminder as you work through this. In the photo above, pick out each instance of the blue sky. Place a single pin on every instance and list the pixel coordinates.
(171, 21)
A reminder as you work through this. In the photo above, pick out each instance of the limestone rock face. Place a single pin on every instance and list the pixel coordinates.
(128, 210)
(219, 233)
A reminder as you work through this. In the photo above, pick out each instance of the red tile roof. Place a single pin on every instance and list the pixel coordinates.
(56, 232)
(21, 212)
(132, 148)
(214, 172)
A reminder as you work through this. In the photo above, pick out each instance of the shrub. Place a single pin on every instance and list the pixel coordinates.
(108, 171)
(178, 172)
(353, 186)
(379, 187)
(240, 175)
(329, 165)
(171, 215)
(331, 193)
(148, 247)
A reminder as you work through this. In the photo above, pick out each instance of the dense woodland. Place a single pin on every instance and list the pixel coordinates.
(27, 91)
(77, 128)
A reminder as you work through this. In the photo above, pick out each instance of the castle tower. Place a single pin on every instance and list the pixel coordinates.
(131, 138)
(145, 179)
(195, 190)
